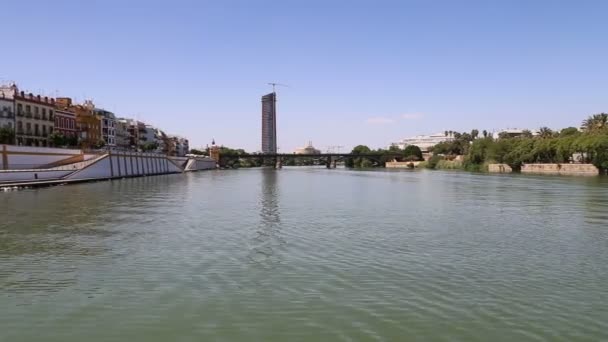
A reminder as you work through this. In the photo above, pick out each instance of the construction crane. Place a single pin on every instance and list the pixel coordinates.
(277, 84)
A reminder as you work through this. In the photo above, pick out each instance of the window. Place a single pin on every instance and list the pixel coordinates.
(28, 109)
(50, 130)
(51, 114)
(36, 110)
(36, 129)
(43, 130)
(43, 111)
(28, 127)
(19, 108)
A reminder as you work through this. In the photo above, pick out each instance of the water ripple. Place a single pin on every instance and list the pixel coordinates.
(307, 254)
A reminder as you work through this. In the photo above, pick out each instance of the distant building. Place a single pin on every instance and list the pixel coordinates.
(141, 134)
(108, 127)
(424, 142)
(178, 146)
(65, 123)
(308, 149)
(512, 132)
(153, 139)
(34, 118)
(87, 122)
(214, 152)
(7, 107)
(269, 123)
(123, 135)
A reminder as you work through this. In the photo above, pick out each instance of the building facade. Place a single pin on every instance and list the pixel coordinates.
(180, 146)
(65, 123)
(123, 135)
(88, 124)
(424, 142)
(269, 123)
(308, 149)
(512, 133)
(34, 118)
(7, 108)
(108, 127)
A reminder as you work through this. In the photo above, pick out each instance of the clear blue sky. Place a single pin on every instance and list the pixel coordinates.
(367, 72)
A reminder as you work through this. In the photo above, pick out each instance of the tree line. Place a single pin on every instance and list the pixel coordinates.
(586, 145)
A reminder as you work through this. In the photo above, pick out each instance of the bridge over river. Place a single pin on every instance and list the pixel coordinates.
(328, 159)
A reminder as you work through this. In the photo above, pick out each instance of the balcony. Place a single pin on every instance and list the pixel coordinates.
(8, 115)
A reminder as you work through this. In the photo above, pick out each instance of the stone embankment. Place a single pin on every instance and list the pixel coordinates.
(402, 165)
(549, 169)
(39, 166)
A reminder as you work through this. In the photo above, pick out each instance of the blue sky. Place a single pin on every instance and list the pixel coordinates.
(360, 72)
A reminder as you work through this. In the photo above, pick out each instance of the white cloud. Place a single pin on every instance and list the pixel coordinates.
(379, 121)
(411, 116)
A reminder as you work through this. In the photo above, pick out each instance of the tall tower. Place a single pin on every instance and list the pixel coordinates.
(269, 123)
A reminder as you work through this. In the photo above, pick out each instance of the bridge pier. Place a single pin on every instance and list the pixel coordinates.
(278, 163)
(331, 162)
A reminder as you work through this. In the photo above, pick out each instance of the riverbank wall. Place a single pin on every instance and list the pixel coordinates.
(401, 165)
(499, 168)
(59, 165)
(561, 169)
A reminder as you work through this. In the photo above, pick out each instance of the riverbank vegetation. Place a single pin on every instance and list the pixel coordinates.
(587, 145)
(379, 157)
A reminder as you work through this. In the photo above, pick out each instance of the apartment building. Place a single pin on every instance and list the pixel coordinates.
(34, 118)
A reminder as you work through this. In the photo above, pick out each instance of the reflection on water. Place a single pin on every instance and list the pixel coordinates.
(307, 254)
(267, 240)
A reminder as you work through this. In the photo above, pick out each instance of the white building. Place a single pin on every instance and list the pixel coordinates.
(308, 149)
(424, 142)
(123, 135)
(180, 144)
(512, 132)
(7, 107)
(152, 135)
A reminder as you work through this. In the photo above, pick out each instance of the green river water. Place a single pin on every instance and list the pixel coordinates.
(307, 254)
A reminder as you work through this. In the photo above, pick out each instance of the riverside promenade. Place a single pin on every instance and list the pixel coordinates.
(39, 166)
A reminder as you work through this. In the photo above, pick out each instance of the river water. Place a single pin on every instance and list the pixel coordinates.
(306, 254)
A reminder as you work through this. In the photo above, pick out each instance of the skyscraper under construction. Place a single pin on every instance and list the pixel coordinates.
(269, 123)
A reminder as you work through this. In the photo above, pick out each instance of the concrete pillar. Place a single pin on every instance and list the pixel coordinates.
(4, 158)
(137, 165)
(118, 162)
(111, 164)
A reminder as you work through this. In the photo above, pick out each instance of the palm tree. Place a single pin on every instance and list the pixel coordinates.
(474, 134)
(596, 122)
(446, 133)
(545, 132)
(485, 133)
